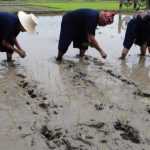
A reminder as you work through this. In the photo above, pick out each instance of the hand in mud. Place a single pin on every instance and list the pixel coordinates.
(104, 55)
(22, 53)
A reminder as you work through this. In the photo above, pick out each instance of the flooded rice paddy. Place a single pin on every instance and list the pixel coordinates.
(42, 49)
(89, 104)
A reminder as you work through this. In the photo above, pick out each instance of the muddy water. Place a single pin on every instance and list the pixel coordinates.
(78, 104)
(42, 49)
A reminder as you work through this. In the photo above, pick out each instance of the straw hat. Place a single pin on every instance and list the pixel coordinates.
(28, 21)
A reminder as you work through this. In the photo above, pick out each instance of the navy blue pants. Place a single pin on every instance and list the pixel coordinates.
(69, 34)
(135, 34)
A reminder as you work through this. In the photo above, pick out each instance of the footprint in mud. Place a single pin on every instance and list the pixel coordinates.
(51, 134)
(129, 133)
(99, 107)
(54, 139)
(31, 89)
(23, 83)
(44, 105)
(31, 93)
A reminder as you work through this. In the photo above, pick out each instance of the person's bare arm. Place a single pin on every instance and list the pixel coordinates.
(10, 47)
(93, 42)
(7, 45)
(17, 44)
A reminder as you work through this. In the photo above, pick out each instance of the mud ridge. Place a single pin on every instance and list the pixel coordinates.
(97, 125)
(119, 77)
(138, 92)
(110, 72)
(78, 75)
(129, 133)
(56, 138)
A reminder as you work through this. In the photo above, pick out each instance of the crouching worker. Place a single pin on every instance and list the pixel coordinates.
(138, 32)
(79, 27)
(10, 26)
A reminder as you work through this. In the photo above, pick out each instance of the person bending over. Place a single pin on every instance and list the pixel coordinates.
(137, 32)
(79, 27)
(10, 26)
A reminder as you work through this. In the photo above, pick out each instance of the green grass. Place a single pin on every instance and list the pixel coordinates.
(66, 6)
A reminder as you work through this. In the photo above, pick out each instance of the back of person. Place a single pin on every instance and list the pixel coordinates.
(81, 18)
(143, 26)
(138, 32)
(8, 26)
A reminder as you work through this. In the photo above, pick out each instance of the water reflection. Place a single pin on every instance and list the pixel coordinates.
(42, 48)
(139, 72)
(123, 21)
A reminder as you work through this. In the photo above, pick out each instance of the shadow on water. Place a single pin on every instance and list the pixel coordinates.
(41, 50)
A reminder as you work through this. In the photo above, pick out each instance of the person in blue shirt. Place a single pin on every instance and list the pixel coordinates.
(10, 26)
(137, 32)
(79, 27)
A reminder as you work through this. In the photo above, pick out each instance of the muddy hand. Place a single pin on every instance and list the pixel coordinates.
(104, 55)
(22, 54)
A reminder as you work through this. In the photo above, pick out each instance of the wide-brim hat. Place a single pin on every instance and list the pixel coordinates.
(28, 21)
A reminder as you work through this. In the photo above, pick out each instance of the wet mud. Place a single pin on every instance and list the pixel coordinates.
(79, 104)
(129, 133)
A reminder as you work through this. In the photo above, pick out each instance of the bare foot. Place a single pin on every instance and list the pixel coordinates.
(121, 58)
(59, 59)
